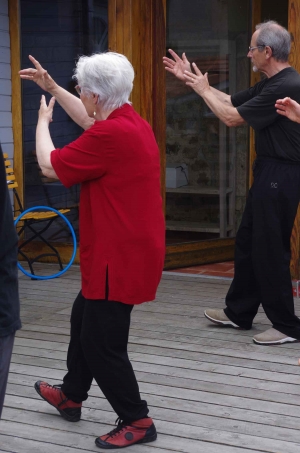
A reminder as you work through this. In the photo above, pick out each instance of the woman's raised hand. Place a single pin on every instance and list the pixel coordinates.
(177, 65)
(46, 111)
(39, 75)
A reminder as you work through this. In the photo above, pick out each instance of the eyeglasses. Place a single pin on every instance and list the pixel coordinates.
(78, 89)
(255, 47)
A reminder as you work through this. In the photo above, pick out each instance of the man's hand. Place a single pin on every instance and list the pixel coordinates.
(178, 65)
(197, 81)
(46, 111)
(289, 108)
(39, 75)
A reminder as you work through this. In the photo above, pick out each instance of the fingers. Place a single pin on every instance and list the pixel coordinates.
(281, 112)
(196, 69)
(35, 62)
(52, 102)
(174, 55)
(285, 101)
(168, 62)
(184, 59)
(27, 74)
(189, 76)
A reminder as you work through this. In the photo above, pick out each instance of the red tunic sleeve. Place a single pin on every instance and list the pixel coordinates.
(83, 159)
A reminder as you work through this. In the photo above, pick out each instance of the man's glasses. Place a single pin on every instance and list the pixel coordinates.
(78, 89)
(255, 47)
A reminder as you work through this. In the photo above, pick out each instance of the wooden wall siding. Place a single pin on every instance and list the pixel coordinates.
(137, 29)
(6, 133)
(293, 26)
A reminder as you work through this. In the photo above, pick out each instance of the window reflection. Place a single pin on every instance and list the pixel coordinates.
(214, 34)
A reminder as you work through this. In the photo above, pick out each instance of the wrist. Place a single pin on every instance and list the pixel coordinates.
(54, 89)
(43, 120)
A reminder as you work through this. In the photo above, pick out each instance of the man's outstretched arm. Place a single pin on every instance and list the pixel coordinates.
(178, 66)
(221, 106)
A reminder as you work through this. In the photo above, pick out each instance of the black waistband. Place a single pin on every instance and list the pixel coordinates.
(277, 161)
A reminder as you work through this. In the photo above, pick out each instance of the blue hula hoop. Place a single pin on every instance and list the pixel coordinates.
(58, 274)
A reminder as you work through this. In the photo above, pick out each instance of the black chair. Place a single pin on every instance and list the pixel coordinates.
(37, 222)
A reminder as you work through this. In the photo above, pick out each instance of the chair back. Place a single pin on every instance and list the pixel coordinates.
(10, 175)
(12, 183)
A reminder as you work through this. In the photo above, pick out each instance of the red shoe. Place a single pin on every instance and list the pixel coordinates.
(138, 432)
(53, 395)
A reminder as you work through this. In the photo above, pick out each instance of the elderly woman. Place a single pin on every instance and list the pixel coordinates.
(122, 245)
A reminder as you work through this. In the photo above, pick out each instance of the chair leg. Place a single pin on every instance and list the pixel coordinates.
(28, 261)
(39, 234)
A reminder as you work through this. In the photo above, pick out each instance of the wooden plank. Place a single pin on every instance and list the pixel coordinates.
(255, 411)
(189, 365)
(209, 389)
(198, 402)
(161, 414)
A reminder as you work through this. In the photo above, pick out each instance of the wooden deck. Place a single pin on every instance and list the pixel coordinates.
(209, 389)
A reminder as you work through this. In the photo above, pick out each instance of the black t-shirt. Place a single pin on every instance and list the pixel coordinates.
(9, 296)
(275, 135)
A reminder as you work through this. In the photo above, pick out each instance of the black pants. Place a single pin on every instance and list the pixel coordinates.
(6, 347)
(98, 349)
(262, 250)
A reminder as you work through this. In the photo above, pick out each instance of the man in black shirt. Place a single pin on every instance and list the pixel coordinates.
(262, 249)
(9, 297)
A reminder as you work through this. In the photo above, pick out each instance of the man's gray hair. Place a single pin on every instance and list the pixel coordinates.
(109, 74)
(275, 36)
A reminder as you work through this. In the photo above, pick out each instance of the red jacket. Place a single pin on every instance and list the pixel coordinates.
(122, 228)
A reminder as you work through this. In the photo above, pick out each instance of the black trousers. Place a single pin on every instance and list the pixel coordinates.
(98, 349)
(6, 347)
(262, 250)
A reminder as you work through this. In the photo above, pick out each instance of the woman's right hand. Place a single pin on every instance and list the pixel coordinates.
(39, 75)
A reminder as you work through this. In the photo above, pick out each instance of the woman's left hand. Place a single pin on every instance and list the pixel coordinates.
(46, 111)
(197, 81)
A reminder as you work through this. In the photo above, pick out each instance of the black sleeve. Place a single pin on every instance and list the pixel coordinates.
(260, 112)
(244, 96)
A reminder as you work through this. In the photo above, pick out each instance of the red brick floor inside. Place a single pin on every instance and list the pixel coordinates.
(221, 270)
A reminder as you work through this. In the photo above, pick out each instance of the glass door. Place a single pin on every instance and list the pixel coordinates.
(206, 162)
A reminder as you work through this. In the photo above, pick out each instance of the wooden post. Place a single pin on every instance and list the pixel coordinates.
(137, 29)
(14, 31)
(293, 26)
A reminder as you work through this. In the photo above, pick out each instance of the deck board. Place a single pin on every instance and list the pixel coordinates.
(208, 388)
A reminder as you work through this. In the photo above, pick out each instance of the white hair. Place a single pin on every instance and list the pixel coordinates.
(109, 74)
